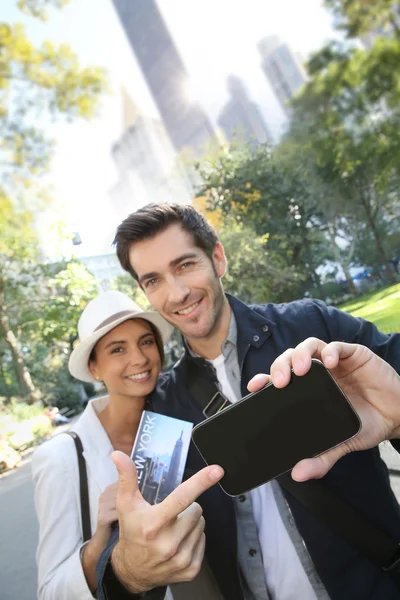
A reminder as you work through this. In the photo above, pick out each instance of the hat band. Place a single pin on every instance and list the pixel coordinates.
(115, 317)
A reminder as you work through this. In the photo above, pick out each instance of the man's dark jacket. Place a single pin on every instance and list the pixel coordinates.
(361, 478)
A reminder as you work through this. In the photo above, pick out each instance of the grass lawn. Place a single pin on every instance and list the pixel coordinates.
(382, 308)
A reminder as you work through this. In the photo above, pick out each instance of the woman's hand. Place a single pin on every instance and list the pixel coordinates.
(107, 515)
(92, 550)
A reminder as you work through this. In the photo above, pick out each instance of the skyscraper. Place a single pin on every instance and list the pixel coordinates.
(186, 123)
(242, 116)
(282, 68)
(149, 169)
(172, 477)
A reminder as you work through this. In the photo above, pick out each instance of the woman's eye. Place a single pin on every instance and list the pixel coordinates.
(116, 350)
(147, 342)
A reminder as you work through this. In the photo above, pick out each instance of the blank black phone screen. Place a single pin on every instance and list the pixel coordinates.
(267, 433)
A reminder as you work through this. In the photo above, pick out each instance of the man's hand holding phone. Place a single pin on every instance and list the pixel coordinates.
(164, 543)
(371, 385)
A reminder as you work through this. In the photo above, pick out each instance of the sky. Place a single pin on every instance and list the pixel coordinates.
(215, 38)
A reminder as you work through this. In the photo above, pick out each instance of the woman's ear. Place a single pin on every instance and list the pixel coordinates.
(93, 369)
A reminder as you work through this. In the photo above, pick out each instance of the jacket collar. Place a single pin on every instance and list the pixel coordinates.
(97, 447)
(253, 328)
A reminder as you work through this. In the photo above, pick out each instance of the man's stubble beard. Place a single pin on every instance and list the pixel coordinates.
(217, 311)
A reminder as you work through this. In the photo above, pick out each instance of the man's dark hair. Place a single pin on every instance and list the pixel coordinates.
(146, 222)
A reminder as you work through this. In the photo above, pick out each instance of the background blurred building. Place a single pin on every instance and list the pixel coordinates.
(241, 116)
(103, 268)
(186, 123)
(148, 167)
(282, 68)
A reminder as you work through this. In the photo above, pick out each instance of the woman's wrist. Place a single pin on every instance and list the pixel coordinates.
(90, 555)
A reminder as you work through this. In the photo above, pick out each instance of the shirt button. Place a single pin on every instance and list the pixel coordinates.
(256, 338)
(242, 498)
(252, 552)
(265, 328)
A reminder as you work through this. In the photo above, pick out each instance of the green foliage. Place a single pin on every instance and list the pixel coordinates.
(60, 389)
(19, 411)
(128, 286)
(267, 190)
(37, 8)
(254, 274)
(35, 83)
(346, 119)
(70, 289)
(39, 302)
(22, 425)
(358, 17)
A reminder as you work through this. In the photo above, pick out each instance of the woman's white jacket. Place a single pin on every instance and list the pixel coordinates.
(57, 500)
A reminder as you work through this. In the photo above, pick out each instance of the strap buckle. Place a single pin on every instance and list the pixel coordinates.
(394, 566)
(217, 403)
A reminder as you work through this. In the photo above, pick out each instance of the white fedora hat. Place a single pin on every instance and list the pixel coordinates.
(102, 314)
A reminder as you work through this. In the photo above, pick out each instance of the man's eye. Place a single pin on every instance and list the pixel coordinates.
(187, 264)
(150, 282)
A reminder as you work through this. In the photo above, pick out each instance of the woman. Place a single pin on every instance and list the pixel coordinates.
(122, 346)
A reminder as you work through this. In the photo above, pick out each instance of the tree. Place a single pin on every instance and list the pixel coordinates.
(38, 82)
(128, 286)
(265, 189)
(347, 117)
(34, 83)
(37, 8)
(40, 302)
(20, 277)
(255, 274)
(69, 291)
(358, 17)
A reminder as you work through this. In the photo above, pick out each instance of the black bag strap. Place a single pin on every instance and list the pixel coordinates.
(83, 487)
(341, 518)
(204, 389)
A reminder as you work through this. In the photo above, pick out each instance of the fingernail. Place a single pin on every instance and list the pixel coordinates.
(216, 473)
(278, 378)
(329, 357)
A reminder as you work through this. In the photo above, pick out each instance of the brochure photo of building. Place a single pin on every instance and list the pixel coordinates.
(159, 454)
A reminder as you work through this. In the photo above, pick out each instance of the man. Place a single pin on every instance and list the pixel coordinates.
(265, 544)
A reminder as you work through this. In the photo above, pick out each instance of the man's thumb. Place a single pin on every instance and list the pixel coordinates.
(128, 487)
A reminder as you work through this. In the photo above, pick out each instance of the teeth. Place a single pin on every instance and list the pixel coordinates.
(186, 311)
(139, 376)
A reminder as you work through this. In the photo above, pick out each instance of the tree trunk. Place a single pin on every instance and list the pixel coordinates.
(312, 271)
(350, 283)
(26, 386)
(378, 240)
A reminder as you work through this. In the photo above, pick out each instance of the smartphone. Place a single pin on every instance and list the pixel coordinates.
(266, 433)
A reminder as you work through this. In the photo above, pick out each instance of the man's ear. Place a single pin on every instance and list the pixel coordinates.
(219, 259)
